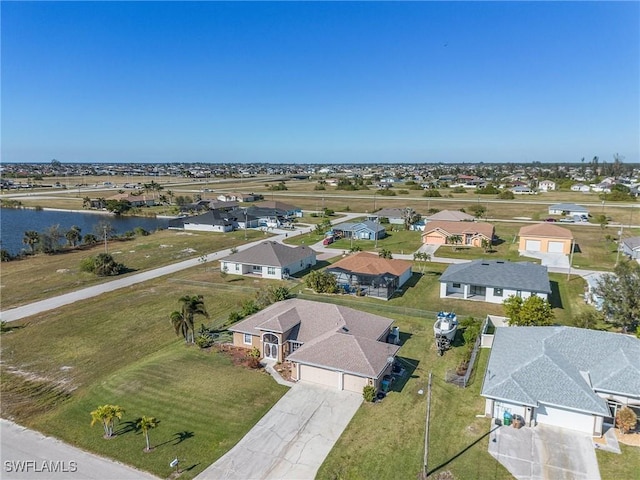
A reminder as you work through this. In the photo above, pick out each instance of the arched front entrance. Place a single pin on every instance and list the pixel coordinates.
(270, 346)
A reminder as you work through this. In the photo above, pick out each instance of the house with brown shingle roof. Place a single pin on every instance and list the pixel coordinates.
(451, 216)
(441, 232)
(545, 238)
(369, 274)
(327, 344)
(269, 260)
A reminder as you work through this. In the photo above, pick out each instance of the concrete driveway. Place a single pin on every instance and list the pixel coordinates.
(292, 440)
(545, 453)
(550, 260)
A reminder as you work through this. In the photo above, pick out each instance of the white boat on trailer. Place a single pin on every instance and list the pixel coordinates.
(445, 330)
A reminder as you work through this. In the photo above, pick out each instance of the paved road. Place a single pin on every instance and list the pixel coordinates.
(27, 454)
(292, 440)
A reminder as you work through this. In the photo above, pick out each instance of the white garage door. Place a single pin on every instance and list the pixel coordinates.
(353, 383)
(556, 247)
(319, 376)
(532, 245)
(564, 418)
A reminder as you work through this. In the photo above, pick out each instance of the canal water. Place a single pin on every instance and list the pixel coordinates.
(14, 222)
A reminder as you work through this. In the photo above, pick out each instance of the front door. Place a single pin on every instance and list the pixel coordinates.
(270, 346)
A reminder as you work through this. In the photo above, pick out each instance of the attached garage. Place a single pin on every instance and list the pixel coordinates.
(353, 383)
(556, 247)
(434, 239)
(320, 376)
(532, 245)
(559, 417)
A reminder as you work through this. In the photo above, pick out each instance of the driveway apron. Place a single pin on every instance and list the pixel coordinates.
(292, 440)
(545, 453)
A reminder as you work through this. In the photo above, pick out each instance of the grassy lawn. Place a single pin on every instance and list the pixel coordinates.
(120, 348)
(617, 467)
(58, 274)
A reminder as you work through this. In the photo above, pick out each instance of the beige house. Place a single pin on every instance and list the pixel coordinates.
(441, 232)
(545, 238)
(327, 344)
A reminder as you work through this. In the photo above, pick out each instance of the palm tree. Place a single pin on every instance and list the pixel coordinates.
(145, 424)
(107, 415)
(31, 238)
(183, 321)
(73, 235)
(455, 239)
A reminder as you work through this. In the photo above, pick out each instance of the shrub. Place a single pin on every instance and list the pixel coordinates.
(626, 419)
(204, 341)
(369, 393)
(458, 190)
(234, 317)
(431, 193)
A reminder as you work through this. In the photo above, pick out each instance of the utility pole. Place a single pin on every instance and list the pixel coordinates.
(573, 246)
(426, 430)
(104, 228)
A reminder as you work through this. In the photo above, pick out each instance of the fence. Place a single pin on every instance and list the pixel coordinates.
(464, 380)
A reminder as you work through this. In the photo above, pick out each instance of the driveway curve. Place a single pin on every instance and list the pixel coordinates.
(293, 438)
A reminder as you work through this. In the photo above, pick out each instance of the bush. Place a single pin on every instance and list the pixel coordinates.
(369, 393)
(431, 193)
(626, 419)
(204, 341)
(458, 190)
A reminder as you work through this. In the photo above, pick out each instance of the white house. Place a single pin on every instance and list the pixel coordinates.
(494, 281)
(569, 209)
(580, 187)
(568, 377)
(269, 260)
(211, 221)
(547, 185)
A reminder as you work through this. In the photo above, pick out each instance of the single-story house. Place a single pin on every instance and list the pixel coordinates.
(394, 215)
(327, 344)
(569, 209)
(269, 260)
(451, 216)
(580, 187)
(568, 377)
(371, 274)
(366, 230)
(494, 281)
(280, 208)
(590, 296)
(134, 200)
(547, 185)
(545, 238)
(441, 232)
(211, 221)
(237, 197)
(523, 190)
(631, 247)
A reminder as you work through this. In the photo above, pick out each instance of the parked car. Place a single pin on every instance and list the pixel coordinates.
(328, 240)
(551, 220)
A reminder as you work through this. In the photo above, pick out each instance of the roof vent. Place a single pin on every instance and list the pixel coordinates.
(499, 261)
(484, 263)
(345, 329)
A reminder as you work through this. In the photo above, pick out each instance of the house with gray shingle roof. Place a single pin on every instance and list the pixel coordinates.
(562, 376)
(494, 281)
(269, 260)
(568, 209)
(327, 344)
(366, 230)
(631, 247)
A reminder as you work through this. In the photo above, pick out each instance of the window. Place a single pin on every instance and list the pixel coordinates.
(456, 285)
(271, 270)
(519, 293)
(248, 339)
(497, 292)
(237, 267)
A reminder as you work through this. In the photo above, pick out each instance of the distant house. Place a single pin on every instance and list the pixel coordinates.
(281, 208)
(211, 221)
(237, 197)
(590, 295)
(494, 281)
(441, 232)
(523, 190)
(545, 238)
(394, 215)
(269, 260)
(134, 200)
(366, 230)
(567, 377)
(580, 187)
(327, 344)
(631, 247)
(569, 209)
(547, 186)
(451, 216)
(371, 274)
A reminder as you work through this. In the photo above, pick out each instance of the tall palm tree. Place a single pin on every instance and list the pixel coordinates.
(73, 235)
(31, 238)
(180, 324)
(193, 305)
(145, 424)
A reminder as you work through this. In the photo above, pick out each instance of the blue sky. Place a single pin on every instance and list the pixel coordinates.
(320, 82)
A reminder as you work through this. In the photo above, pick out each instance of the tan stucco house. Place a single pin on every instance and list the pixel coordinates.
(441, 232)
(545, 238)
(327, 344)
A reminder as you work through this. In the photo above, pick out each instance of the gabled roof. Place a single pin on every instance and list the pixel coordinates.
(278, 206)
(352, 227)
(460, 228)
(372, 264)
(632, 243)
(562, 366)
(451, 216)
(271, 254)
(389, 213)
(545, 230)
(526, 276)
(333, 336)
(212, 217)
